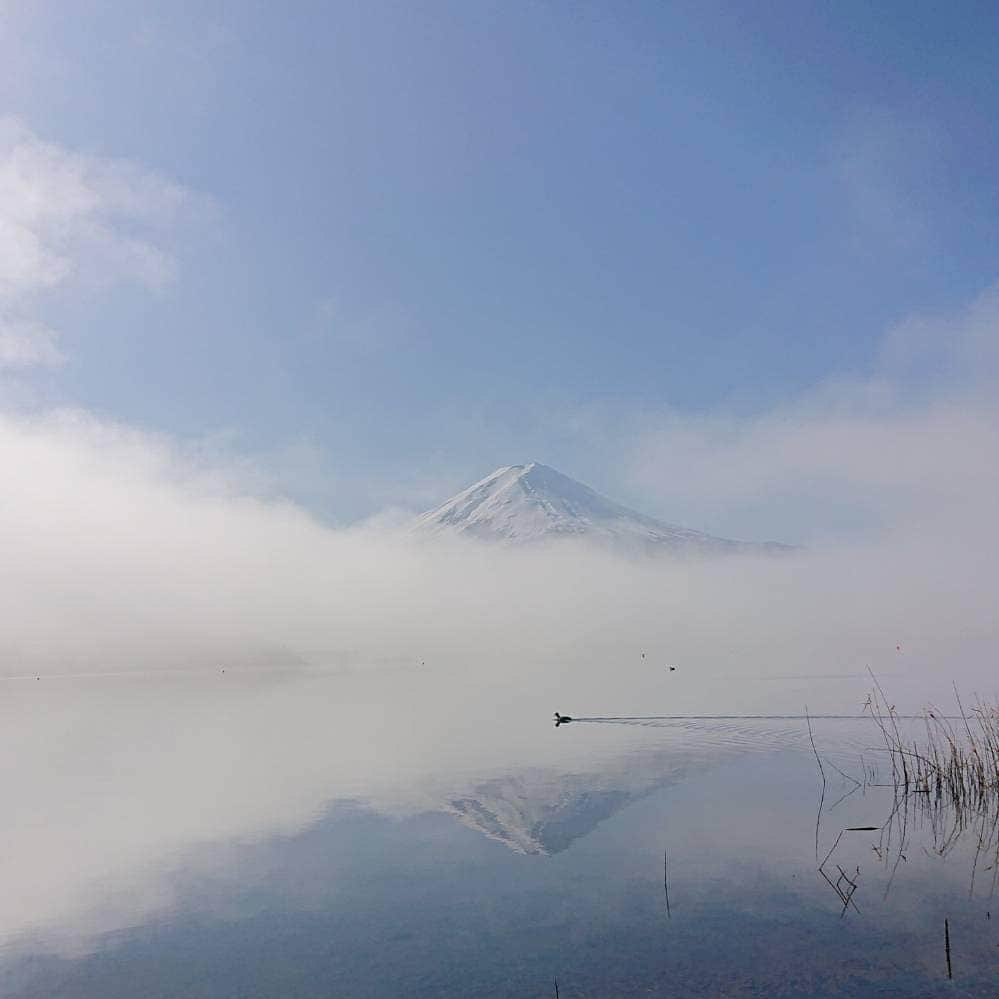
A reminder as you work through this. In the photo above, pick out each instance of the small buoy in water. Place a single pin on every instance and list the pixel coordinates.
(643, 655)
(672, 669)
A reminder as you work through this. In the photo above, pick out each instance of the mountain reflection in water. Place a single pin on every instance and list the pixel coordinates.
(299, 838)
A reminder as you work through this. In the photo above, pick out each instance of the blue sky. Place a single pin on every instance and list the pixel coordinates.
(420, 241)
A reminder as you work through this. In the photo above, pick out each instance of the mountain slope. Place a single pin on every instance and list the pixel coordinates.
(520, 504)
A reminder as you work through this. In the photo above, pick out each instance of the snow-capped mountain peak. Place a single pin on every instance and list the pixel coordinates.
(520, 504)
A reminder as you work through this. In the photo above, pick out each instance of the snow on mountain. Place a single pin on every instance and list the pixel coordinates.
(521, 504)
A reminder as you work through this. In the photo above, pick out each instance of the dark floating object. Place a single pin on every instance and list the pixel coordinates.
(672, 669)
(562, 719)
(863, 828)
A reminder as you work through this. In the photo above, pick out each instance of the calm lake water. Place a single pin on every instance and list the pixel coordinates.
(326, 835)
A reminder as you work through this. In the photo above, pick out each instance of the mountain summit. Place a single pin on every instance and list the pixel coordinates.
(519, 504)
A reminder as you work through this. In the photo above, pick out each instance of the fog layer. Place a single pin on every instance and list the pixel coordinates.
(123, 554)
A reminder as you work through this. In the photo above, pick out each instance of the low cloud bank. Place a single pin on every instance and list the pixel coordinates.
(121, 553)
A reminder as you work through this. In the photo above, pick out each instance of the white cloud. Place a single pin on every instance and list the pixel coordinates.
(123, 551)
(69, 218)
(905, 447)
(61, 210)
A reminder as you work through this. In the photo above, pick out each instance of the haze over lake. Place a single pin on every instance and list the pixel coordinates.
(322, 831)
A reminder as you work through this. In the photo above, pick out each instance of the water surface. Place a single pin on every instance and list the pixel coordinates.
(334, 835)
